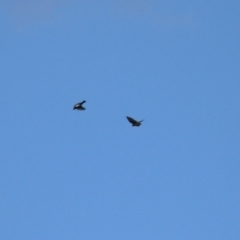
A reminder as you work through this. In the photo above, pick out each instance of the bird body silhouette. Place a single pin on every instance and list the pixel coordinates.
(134, 122)
(79, 106)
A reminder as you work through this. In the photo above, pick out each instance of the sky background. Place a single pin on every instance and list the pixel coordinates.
(90, 175)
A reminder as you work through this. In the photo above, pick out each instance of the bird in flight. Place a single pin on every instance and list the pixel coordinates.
(134, 122)
(79, 106)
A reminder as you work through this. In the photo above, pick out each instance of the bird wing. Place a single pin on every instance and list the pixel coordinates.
(131, 120)
(82, 102)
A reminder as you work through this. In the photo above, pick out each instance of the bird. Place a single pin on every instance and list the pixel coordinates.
(134, 122)
(79, 106)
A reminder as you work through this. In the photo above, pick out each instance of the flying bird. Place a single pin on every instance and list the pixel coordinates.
(79, 106)
(134, 122)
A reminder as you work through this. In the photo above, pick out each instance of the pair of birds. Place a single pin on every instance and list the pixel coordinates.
(135, 123)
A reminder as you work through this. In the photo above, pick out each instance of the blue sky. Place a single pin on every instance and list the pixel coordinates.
(89, 175)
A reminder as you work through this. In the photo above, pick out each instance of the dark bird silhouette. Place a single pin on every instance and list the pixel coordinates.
(134, 122)
(79, 106)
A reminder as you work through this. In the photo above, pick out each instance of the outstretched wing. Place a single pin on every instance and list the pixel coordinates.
(131, 120)
(82, 102)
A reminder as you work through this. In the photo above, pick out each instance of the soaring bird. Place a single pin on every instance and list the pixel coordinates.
(134, 122)
(79, 106)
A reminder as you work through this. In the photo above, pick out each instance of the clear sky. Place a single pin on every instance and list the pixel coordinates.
(90, 175)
